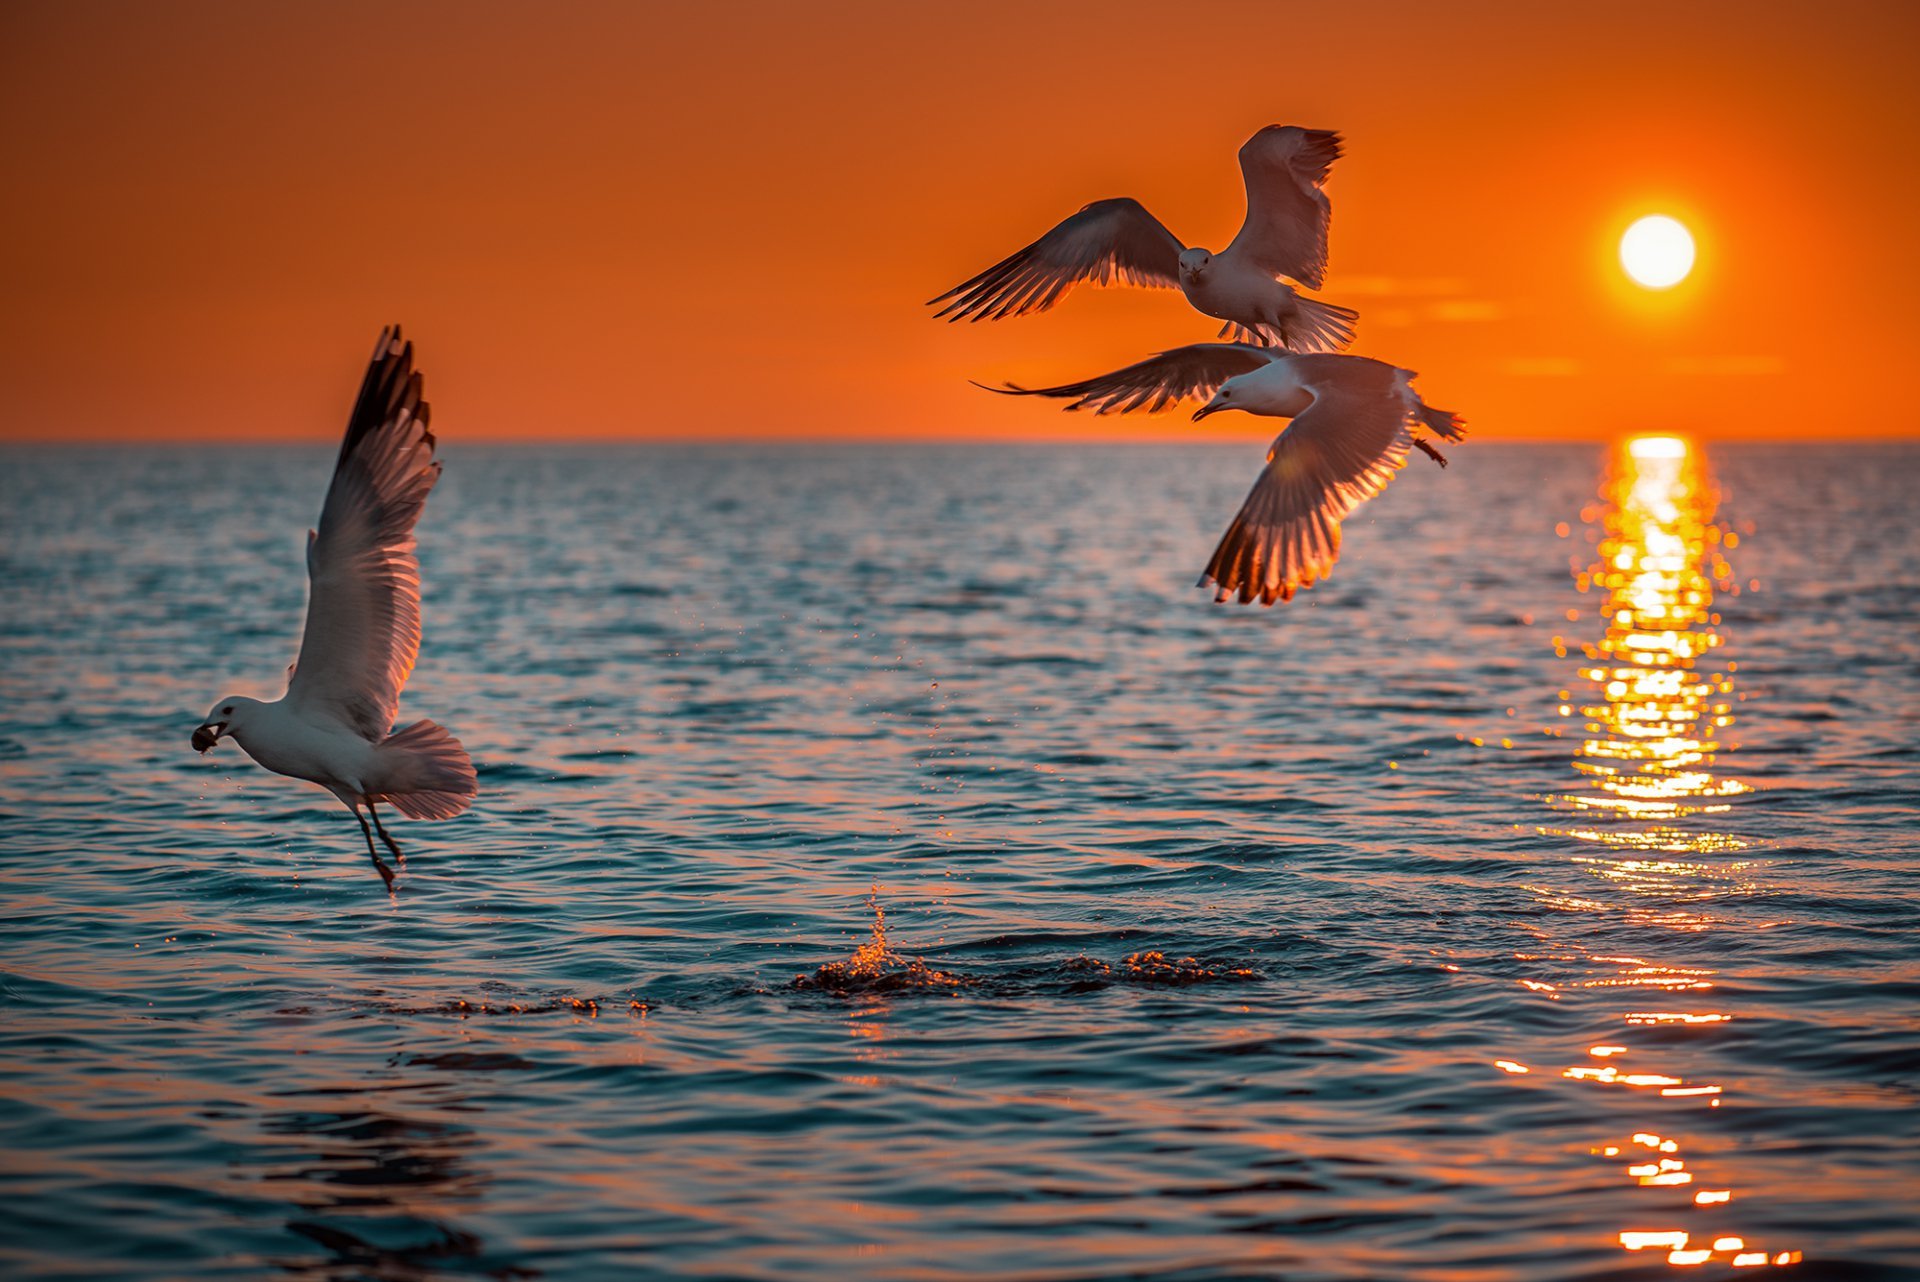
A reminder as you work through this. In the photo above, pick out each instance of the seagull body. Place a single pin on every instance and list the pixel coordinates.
(283, 741)
(1354, 421)
(363, 628)
(1285, 235)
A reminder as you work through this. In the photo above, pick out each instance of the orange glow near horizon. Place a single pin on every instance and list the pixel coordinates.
(617, 221)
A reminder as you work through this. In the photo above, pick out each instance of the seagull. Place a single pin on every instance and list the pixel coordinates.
(1285, 234)
(332, 725)
(1354, 420)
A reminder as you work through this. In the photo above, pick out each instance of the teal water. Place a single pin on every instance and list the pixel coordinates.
(1235, 927)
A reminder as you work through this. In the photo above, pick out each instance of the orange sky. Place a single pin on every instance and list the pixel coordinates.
(723, 220)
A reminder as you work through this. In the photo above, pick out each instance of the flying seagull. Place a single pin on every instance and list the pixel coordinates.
(1354, 420)
(1285, 234)
(363, 628)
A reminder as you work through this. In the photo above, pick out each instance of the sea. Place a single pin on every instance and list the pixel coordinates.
(889, 865)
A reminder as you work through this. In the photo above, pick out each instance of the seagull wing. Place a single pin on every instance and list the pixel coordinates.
(1341, 451)
(363, 600)
(1287, 212)
(1109, 240)
(1157, 382)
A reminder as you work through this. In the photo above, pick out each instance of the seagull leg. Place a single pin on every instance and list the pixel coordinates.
(399, 855)
(1426, 448)
(386, 873)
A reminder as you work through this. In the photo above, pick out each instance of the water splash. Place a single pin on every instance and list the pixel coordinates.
(1153, 967)
(876, 968)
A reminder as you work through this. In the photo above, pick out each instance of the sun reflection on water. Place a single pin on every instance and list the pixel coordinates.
(1646, 809)
(1654, 724)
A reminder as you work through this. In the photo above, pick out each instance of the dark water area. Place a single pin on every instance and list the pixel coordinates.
(889, 866)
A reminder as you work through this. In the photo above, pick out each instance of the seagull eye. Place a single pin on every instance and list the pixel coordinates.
(226, 712)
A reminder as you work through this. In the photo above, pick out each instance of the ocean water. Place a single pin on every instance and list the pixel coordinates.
(890, 867)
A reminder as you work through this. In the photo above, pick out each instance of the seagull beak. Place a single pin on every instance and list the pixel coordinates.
(1209, 408)
(204, 737)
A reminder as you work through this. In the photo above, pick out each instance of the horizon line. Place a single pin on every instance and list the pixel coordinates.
(1207, 437)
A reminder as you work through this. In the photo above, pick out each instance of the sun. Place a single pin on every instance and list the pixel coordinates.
(1657, 251)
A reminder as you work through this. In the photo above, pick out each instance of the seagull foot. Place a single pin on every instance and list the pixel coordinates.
(1427, 449)
(386, 839)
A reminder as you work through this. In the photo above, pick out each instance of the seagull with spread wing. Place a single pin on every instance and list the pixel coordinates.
(1285, 234)
(1354, 420)
(334, 725)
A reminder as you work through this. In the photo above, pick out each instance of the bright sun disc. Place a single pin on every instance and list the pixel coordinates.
(1649, 447)
(1657, 251)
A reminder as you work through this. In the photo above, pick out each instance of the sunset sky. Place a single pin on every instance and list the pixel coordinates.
(714, 221)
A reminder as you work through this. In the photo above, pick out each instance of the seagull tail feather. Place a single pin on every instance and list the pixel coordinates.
(1443, 422)
(1319, 327)
(425, 772)
(1259, 336)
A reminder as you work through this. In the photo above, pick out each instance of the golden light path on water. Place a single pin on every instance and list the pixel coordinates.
(1644, 808)
(1654, 730)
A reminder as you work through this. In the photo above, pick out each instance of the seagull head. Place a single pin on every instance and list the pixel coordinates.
(1226, 397)
(219, 722)
(1193, 263)
(1273, 390)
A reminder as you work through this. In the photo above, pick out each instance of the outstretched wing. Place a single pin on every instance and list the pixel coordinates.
(1109, 240)
(1287, 212)
(1155, 383)
(1336, 455)
(363, 598)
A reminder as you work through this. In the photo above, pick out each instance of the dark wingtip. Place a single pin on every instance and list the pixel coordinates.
(1007, 389)
(390, 383)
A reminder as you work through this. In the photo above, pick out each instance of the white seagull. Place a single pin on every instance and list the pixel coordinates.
(363, 628)
(1354, 420)
(1285, 234)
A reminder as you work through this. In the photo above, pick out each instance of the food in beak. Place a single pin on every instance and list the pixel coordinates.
(204, 737)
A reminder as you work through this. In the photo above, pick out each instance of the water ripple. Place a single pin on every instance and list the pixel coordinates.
(888, 867)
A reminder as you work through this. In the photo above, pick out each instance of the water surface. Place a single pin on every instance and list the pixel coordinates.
(1450, 922)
